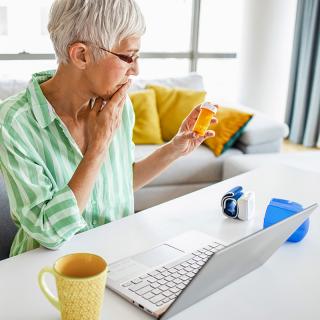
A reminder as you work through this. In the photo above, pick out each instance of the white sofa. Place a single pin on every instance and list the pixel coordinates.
(200, 168)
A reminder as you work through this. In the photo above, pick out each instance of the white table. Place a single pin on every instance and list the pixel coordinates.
(286, 287)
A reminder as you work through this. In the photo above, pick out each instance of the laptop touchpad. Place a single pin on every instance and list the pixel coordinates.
(158, 255)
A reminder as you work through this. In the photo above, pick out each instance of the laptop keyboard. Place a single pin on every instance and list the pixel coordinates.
(164, 284)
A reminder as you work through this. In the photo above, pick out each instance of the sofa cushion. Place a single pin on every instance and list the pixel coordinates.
(200, 166)
(174, 105)
(191, 81)
(231, 123)
(147, 124)
(262, 128)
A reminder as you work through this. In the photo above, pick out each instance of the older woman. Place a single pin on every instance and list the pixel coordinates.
(66, 150)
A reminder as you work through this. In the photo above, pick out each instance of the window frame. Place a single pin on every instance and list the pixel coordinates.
(193, 54)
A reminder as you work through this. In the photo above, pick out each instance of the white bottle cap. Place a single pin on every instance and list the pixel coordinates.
(210, 106)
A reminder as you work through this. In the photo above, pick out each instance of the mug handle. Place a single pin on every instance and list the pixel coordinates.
(44, 288)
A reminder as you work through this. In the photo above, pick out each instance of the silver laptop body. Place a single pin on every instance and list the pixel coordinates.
(174, 275)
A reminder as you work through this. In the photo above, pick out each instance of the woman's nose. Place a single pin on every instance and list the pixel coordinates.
(134, 69)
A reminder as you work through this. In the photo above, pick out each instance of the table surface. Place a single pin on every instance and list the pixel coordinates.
(287, 286)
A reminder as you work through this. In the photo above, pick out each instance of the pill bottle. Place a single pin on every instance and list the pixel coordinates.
(207, 111)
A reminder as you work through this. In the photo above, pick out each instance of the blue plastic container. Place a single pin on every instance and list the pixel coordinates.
(279, 209)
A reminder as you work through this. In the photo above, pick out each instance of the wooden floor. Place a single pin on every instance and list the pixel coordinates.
(288, 146)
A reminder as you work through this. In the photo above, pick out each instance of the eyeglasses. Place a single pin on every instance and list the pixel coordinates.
(123, 57)
(127, 59)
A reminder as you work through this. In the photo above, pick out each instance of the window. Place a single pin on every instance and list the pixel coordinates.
(182, 36)
(168, 30)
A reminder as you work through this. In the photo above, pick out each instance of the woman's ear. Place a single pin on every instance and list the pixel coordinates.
(79, 55)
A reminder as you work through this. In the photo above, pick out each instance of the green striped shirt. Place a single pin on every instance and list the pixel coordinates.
(38, 157)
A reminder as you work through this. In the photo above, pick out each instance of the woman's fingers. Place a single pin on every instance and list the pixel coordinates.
(214, 120)
(97, 104)
(120, 94)
(194, 113)
(209, 134)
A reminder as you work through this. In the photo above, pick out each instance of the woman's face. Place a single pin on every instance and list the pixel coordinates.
(107, 75)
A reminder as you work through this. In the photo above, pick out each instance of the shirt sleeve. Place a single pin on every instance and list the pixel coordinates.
(49, 216)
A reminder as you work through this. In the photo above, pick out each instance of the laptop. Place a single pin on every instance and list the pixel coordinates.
(174, 275)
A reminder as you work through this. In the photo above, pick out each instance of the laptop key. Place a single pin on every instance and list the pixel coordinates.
(161, 270)
(166, 273)
(138, 286)
(192, 261)
(144, 290)
(175, 290)
(162, 281)
(172, 270)
(165, 300)
(154, 285)
(127, 284)
(196, 258)
(144, 276)
(159, 276)
(181, 286)
(184, 278)
(182, 272)
(151, 279)
(163, 288)
(215, 244)
(191, 274)
(157, 298)
(156, 291)
(148, 295)
(170, 284)
(177, 281)
(159, 304)
(188, 269)
(135, 281)
(167, 293)
(169, 278)
(178, 267)
(153, 273)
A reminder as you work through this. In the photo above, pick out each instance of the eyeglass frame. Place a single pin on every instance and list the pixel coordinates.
(122, 57)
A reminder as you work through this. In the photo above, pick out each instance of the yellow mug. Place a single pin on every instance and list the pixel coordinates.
(80, 280)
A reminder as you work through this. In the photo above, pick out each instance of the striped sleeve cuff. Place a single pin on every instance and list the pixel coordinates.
(64, 215)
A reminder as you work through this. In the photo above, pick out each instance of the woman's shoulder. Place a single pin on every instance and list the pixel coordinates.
(13, 107)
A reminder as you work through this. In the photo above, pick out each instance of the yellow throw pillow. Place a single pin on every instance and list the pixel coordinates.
(231, 123)
(174, 104)
(147, 126)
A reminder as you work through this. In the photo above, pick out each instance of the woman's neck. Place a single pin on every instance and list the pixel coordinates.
(66, 93)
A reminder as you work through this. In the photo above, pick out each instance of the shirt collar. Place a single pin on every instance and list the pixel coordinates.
(41, 108)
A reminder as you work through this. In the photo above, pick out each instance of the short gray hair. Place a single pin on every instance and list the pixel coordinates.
(101, 22)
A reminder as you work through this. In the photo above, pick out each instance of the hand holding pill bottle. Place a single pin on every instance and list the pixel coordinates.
(207, 111)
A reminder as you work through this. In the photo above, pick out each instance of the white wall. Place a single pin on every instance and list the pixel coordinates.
(265, 55)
